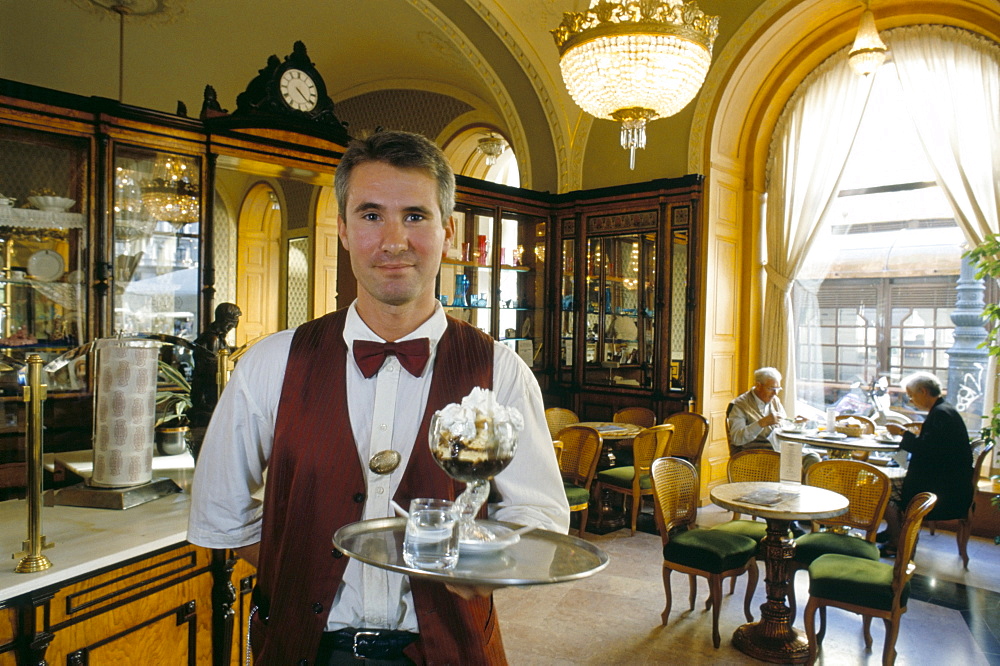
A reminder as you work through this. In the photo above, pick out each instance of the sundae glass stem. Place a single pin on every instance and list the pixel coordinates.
(468, 504)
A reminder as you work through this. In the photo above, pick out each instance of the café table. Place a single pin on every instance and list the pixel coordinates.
(839, 445)
(773, 638)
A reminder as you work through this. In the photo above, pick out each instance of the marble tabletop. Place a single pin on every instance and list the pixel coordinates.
(87, 540)
(783, 501)
(845, 443)
(611, 430)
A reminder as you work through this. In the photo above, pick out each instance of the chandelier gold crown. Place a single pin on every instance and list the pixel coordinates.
(635, 60)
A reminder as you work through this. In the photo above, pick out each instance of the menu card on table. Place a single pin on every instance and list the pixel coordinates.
(791, 462)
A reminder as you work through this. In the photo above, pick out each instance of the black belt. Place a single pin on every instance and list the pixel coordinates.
(369, 643)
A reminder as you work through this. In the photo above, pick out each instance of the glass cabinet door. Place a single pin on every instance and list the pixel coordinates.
(567, 311)
(522, 260)
(43, 250)
(466, 281)
(491, 277)
(620, 310)
(156, 224)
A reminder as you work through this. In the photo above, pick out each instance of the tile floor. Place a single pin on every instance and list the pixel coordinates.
(613, 617)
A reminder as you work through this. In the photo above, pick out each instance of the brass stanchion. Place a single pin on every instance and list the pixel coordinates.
(222, 370)
(32, 559)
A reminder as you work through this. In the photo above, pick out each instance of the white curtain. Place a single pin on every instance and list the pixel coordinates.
(809, 148)
(950, 79)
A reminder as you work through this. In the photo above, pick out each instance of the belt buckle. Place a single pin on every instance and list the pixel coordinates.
(362, 634)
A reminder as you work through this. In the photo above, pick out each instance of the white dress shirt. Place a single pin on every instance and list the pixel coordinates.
(385, 412)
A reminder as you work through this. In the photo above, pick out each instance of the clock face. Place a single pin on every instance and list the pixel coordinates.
(298, 90)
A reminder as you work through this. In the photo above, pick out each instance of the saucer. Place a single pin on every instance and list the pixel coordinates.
(505, 539)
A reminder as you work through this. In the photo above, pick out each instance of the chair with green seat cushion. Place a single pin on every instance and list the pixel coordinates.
(712, 554)
(751, 465)
(633, 480)
(867, 489)
(578, 465)
(868, 588)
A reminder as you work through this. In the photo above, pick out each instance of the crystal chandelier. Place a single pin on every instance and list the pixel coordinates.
(868, 52)
(172, 193)
(635, 60)
(492, 147)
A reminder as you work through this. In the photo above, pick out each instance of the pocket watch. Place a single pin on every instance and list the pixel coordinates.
(298, 90)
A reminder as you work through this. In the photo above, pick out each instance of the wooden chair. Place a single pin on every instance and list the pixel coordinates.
(558, 418)
(754, 465)
(640, 416)
(633, 480)
(690, 436)
(867, 489)
(870, 589)
(980, 451)
(557, 446)
(578, 464)
(712, 554)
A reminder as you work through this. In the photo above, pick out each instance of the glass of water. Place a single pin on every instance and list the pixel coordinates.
(431, 540)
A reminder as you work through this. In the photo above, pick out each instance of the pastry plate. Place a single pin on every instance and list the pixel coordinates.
(831, 435)
(46, 265)
(888, 439)
(538, 557)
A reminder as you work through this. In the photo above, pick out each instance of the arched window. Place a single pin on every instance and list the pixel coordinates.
(875, 186)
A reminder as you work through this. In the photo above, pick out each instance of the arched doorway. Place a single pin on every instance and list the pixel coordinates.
(258, 263)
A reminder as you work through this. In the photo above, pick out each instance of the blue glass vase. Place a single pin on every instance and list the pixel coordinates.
(461, 289)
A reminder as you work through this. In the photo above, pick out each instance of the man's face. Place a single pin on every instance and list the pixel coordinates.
(394, 232)
(920, 398)
(767, 389)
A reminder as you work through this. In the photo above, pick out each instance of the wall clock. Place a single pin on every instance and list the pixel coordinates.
(298, 89)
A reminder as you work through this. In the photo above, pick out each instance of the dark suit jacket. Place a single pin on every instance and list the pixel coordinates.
(940, 462)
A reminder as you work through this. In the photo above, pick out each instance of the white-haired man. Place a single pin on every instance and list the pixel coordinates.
(752, 418)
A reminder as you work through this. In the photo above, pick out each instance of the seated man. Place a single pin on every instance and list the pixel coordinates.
(752, 418)
(940, 459)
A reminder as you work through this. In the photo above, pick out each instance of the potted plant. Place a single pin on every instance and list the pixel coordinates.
(173, 400)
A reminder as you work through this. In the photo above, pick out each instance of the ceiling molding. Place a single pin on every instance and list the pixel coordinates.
(512, 120)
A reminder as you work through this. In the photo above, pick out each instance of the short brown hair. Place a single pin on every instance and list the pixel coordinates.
(403, 150)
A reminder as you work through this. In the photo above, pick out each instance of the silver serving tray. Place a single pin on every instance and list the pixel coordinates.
(540, 557)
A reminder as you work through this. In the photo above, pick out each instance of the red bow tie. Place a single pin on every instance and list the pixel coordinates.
(412, 355)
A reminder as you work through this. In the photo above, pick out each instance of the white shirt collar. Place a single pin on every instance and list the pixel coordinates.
(356, 329)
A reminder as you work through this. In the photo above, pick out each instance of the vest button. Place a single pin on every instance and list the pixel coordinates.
(336, 554)
(317, 608)
(359, 498)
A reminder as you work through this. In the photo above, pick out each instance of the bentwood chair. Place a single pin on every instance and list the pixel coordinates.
(867, 489)
(690, 435)
(752, 465)
(980, 451)
(557, 447)
(870, 589)
(633, 480)
(578, 464)
(640, 416)
(558, 418)
(711, 554)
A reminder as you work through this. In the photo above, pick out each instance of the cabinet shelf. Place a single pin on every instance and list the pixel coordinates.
(41, 220)
(486, 267)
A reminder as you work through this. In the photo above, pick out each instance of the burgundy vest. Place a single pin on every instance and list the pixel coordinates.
(316, 484)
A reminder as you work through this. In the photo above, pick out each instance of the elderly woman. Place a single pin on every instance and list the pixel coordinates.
(940, 458)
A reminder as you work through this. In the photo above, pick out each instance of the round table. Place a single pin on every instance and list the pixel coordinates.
(607, 518)
(774, 638)
(839, 447)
